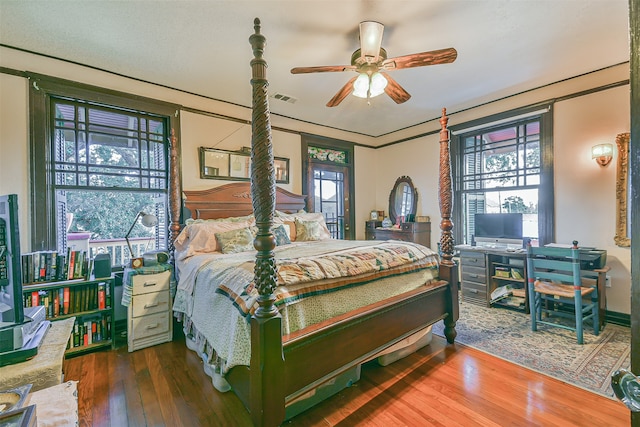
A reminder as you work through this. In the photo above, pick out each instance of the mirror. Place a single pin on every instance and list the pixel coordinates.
(623, 233)
(236, 165)
(403, 200)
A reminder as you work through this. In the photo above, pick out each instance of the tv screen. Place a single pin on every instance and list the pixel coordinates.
(11, 310)
(499, 225)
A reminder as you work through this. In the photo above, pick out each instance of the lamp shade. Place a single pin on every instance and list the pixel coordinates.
(370, 39)
(602, 153)
(361, 86)
(378, 83)
(148, 220)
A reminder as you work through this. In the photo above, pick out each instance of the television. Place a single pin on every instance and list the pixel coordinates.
(498, 228)
(11, 310)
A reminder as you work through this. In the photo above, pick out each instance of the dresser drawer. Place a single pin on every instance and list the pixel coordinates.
(371, 225)
(145, 283)
(472, 259)
(416, 227)
(147, 326)
(474, 292)
(474, 274)
(150, 303)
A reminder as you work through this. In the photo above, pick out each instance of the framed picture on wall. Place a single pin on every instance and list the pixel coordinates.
(374, 215)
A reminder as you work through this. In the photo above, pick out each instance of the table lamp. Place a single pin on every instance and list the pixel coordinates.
(148, 220)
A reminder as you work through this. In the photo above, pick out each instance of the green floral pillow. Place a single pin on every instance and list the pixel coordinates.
(309, 230)
(233, 241)
(281, 235)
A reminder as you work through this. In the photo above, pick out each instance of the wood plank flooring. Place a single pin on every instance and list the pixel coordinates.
(440, 385)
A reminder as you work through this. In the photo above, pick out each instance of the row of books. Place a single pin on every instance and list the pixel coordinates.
(69, 300)
(87, 331)
(51, 266)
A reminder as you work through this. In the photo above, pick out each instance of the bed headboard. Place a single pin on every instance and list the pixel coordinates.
(234, 200)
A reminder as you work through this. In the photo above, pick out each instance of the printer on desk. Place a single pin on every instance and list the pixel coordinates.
(592, 259)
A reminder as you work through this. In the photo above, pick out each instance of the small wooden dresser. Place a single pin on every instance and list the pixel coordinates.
(149, 313)
(417, 232)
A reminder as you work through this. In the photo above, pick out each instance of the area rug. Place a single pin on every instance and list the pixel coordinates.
(552, 351)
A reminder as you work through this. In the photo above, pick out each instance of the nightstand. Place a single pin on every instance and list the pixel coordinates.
(149, 320)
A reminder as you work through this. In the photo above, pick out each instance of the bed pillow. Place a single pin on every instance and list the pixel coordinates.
(248, 218)
(303, 216)
(233, 241)
(200, 237)
(281, 235)
(311, 230)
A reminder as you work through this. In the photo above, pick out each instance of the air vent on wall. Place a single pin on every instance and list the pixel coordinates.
(285, 98)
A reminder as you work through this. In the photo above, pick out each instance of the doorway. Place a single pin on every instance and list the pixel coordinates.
(328, 180)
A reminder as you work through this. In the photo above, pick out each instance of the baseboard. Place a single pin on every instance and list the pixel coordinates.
(621, 319)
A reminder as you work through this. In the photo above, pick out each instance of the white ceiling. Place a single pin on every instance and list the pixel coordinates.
(504, 47)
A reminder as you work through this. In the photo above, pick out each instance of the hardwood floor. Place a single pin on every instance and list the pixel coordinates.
(439, 385)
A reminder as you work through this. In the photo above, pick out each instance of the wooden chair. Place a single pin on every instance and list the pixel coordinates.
(554, 277)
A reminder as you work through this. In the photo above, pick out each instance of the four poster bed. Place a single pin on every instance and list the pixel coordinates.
(296, 311)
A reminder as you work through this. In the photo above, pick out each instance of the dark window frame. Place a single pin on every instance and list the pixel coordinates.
(335, 144)
(544, 112)
(41, 89)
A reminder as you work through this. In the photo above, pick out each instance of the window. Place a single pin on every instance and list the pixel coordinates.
(99, 158)
(504, 166)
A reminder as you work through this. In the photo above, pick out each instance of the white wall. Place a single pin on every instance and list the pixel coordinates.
(584, 192)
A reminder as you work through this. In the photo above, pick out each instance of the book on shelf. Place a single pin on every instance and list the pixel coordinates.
(65, 300)
(51, 266)
(90, 330)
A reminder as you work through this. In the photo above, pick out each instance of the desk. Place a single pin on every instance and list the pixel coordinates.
(45, 369)
(478, 269)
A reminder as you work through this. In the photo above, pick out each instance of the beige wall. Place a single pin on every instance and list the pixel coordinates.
(14, 144)
(584, 191)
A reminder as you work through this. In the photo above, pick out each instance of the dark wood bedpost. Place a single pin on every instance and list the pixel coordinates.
(174, 191)
(267, 362)
(448, 268)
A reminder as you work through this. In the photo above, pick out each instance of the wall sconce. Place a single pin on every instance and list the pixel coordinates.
(148, 220)
(602, 153)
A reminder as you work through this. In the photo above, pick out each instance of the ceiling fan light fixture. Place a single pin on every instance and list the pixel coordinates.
(378, 84)
(361, 86)
(370, 39)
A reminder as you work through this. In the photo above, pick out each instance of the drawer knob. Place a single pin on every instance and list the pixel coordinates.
(475, 291)
(473, 275)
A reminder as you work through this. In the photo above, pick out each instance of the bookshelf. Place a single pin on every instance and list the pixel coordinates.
(90, 301)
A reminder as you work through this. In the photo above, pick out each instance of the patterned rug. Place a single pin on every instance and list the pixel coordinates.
(552, 351)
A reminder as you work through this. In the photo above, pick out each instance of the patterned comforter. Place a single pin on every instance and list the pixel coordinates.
(318, 280)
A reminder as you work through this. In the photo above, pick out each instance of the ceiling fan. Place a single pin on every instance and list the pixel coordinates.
(371, 64)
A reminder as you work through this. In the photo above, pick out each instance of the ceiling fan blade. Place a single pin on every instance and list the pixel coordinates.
(322, 69)
(395, 91)
(342, 93)
(370, 40)
(442, 56)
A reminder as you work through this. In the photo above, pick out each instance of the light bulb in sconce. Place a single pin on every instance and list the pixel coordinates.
(602, 153)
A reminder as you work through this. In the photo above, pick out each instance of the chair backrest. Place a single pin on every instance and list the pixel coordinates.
(554, 264)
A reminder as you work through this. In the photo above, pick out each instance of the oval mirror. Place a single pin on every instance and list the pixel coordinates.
(403, 199)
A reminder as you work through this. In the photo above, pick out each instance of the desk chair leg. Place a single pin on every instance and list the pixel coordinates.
(578, 308)
(595, 310)
(532, 307)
